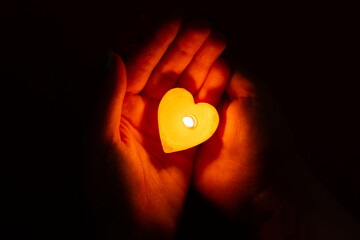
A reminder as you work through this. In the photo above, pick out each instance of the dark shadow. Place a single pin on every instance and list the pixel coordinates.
(201, 220)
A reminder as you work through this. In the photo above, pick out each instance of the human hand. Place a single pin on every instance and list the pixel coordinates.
(154, 183)
(250, 171)
(228, 166)
(232, 168)
(139, 190)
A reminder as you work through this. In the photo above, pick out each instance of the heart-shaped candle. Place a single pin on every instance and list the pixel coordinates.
(182, 123)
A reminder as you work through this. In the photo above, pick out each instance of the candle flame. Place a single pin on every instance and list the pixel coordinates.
(189, 121)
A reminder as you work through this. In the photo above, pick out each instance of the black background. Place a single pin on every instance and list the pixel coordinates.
(53, 61)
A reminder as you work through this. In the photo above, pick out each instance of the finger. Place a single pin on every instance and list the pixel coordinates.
(240, 87)
(195, 74)
(215, 83)
(177, 58)
(141, 65)
(113, 116)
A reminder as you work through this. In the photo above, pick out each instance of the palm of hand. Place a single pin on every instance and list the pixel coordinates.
(228, 165)
(157, 182)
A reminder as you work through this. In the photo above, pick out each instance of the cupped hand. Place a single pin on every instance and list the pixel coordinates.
(229, 168)
(234, 170)
(154, 183)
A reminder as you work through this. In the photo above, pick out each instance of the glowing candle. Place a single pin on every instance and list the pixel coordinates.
(182, 123)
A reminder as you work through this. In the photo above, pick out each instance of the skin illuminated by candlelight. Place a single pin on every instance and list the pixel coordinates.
(138, 190)
(155, 183)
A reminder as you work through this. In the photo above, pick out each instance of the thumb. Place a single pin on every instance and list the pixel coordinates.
(116, 98)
